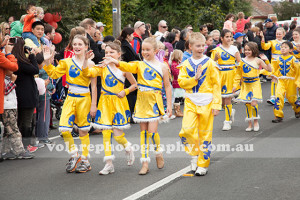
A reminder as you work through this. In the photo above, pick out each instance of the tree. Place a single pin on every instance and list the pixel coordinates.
(286, 10)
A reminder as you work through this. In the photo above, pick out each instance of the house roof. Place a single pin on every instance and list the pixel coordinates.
(261, 8)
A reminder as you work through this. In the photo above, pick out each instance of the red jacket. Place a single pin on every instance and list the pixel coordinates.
(136, 43)
(6, 63)
(175, 72)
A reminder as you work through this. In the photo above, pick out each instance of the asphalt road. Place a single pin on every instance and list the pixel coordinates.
(269, 170)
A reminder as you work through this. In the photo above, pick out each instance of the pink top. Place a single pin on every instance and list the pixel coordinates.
(175, 73)
(240, 24)
(228, 25)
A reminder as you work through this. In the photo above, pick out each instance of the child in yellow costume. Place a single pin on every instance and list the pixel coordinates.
(286, 69)
(226, 56)
(275, 50)
(149, 107)
(76, 108)
(113, 114)
(248, 73)
(296, 45)
(199, 76)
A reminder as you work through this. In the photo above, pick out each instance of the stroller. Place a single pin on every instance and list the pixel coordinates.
(58, 98)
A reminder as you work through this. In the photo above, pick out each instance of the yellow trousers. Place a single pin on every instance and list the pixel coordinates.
(288, 88)
(196, 131)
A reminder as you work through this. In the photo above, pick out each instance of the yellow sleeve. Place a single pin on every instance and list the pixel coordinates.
(213, 54)
(274, 65)
(215, 79)
(58, 71)
(131, 67)
(184, 80)
(266, 46)
(297, 72)
(238, 75)
(92, 72)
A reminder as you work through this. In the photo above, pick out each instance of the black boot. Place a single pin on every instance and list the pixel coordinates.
(277, 120)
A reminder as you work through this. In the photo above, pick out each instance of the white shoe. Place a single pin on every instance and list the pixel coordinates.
(201, 171)
(227, 126)
(130, 156)
(232, 115)
(194, 163)
(173, 117)
(249, 129)
(256, 128)
(108, 169)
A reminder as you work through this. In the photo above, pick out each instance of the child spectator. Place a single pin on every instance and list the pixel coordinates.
(31, 17)
(12, 146)
(17, 27)
(176, 58)
(240, 23)
(188, 52)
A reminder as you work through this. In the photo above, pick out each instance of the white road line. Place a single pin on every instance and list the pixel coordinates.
(158, 184)
(52, 138)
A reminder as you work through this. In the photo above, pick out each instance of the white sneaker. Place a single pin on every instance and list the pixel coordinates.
(173, 117)
(226, 126)
(201, 171)
(108, 169)
(249, 129)
(194, 163)
(232, 115)
(256, 128)
(130, 156)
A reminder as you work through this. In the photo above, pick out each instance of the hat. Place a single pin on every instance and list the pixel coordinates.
(99, 24)
(268, 20)
(237, 35)
(138, 24)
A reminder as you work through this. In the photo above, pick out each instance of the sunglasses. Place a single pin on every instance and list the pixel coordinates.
(7, 28)
(164, 26)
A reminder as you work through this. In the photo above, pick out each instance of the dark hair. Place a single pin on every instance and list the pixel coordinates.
(108, 38)
(293, 25)
(202, 27)
(253, 47)
(183, 33)
(247, 25)
(297, 30)
(288, 43)
(29, 6)
(224, 31)
(147, 31)
(260, 26)
(18, 51)
(187, 45)
(229, 16)
(36, 23)
(170, 37)
(238, 45)
(125, 32)
(209, 49)
(48, 29)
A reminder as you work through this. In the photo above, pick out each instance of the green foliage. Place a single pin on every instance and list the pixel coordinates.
(101, 11)
(176, 12)
(282, 8)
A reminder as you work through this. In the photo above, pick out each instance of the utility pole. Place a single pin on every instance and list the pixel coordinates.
(116, 6)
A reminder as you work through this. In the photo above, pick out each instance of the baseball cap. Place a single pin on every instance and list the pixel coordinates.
(99, 24)
(268, 20)
(237, 35)
(138, 24)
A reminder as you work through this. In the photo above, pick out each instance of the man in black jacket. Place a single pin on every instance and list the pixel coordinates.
(90, 28)
(270, 34)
